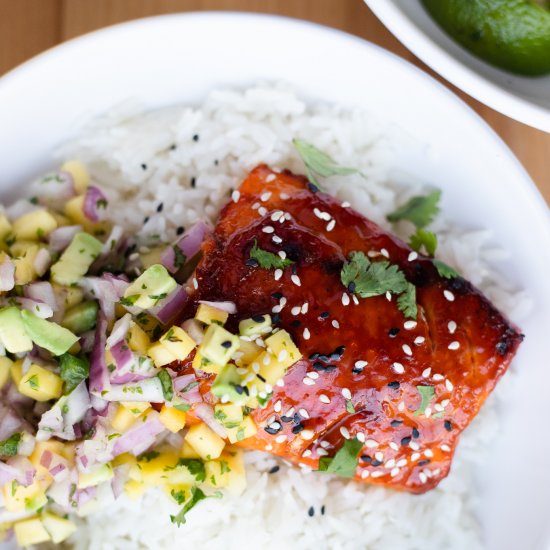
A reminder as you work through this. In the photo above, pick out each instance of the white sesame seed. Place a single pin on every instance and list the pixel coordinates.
(379, 455)
(282, 254)
(360, 437)
(313, 375)
(235, 196)
(449, 385)
(305, 308)
(409, 325)
(269, 447)
(335, 323)
(355, 300)
(438, 407)
(322, 452)
(262, 211)
(398, 368)
(277, 407)
(324, 398)
(303, 413)
(415, 457)
(282, 355)
(373, 253)
(414, 446)
(280, 383)
(365, 474)
(390, 463)
(377, 473)
(195, 283)
(428, 453)
(295, 279)
(422, 477)
(287, 217)
(385, 253)
(394, 446)
(276, 239)
(445, 448)
(346, 204)
(295, 310)
(255, 367)
(307, 434)
(268, 229)
(401, 406)
(265, 196)
(401, 463)
(412, 256)
(306, 334)
(274, 425)
(270, 178)
(317, 212)
(361, 364)
(449, 295)
(326, 216)
(325, 444)
(451, 325)
(428, 412)
(438, 377)
(284, 196)
(255, 206)
(280, 438)
(278, 274)
(419, 340)
(346, 393)
(276, 215)
(394, 472)
(454, 345)
(307, 452)
(308, 381)
(388, 296)
(427, 372)
(331, 224)
(345, 432)
(345, 299)
(445, 402)
(371, 444)
(407, 349)
(266, 359)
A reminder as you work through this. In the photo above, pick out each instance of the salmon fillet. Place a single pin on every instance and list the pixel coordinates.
(365, 367)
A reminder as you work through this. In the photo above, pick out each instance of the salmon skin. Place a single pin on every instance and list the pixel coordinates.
(366, 368)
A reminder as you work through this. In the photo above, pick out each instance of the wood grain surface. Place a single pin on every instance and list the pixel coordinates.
(28, 27)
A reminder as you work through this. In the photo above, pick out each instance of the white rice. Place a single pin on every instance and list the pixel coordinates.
(132, 155)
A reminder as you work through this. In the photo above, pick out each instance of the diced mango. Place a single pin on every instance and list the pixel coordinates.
(79, 173)
(18, 248)
(155, 470)
(188, 452)
(154, 256)
(173, 419)
(255, 326)
(71, 295)
(99, 474)
(136, 408)
(249, 351)
(134, 489)
(281, 345)
(124, 459)
(138, 339)
(61, 220)
(211, 315)
(228, 414)
(122, 419)
(6, 365)
(30, 531)
(5, 230)
(54, 446)
(247, 428)
(203, 364)
(237, 474)
(207, 443)
(218, 345)
(74, 210)
(160, 355)
(24, 266)
(40, 384)
(59, 528)
(178, 342)
(34, 226)
(17, 497)
(217, 472)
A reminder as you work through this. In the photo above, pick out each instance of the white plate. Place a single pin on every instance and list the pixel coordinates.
(180, 58)
(522, 98)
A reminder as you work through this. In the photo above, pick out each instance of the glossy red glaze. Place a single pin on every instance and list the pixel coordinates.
(464, 377)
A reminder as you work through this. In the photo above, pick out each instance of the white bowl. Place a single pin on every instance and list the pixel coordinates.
(179, 58)
(522, 98)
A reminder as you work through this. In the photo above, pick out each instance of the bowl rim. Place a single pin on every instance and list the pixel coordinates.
(456, 71)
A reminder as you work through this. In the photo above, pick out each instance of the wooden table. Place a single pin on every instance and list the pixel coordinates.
(28, 27)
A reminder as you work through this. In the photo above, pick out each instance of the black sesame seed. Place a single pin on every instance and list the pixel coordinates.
(415, 433)
(311, 512)
(296, 323)
(180, 230)
(261, 378)
(216, 162)
(351, 287)
(314, 356)
(226, 344)
(340, 350)
(196, 137)
(448, 425)
(238, 389)
(318, 365)
(296, 418)
(297, 429)
(251, 262)
(323, 357)
(396, 423)
(193, 182)
(160, 207)
(173, 147)
(273, 431)
(502, 347)
(286, 419)
(144, 166)
(366, 458)
(313, 188)
(376, 463)
(393, 332)
(394, 385)
(145, 220)
(406, 440)
(356, 370)
(275, 318)
(258, 318)
(277, 295)
(330, 368)
(274, 470)
(246, 391)
(324, 315)
(323, 510)
(423, 462)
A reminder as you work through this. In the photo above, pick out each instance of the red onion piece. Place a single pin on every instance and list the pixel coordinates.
(140, 436)
(20, 208)
(189, 245)
(120, 329)
(206, 414)
(99, 374)
(59, 239)
(77, 405)
(95, 204)
(7, 274)
(168, 308)
(149, 389)
(195, 330)
(41, 292)
(107, 289)
(228, 307)
(54, 188)
(40, 309)
(42, 261)
(10, 422)
(24, 467)
(181, 382)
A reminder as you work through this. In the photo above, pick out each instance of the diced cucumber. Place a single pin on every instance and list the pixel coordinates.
(81, 317)
(76, 259)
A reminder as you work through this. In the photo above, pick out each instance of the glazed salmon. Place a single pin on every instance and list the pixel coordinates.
(404, 388)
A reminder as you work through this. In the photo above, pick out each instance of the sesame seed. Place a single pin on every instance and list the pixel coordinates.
(325, 444)
(346, 204)
(335, 323)
(401, 406)
(235, 196)
(278, 274)
(412, 256)
(324, 398)
(428, 412)
(388, 296)
(427, 372)
(428, 453)
(394, 472)
(407, 349)
(308, 381)
(346, 393)
(438, 407)
(345, 299)
(282, 355)
(303, 413)
(305, 308)
(331, 224)
(262, 211)
(438, 377)
(295, 279)
(398, 368)
(322, 452)
(306, 334)
(195, 283)
(451, 325)
(313, 375)
(270, 178)
(355, 300)
(379, 455)
(394, 446)
(419, 340)
(377, 473)
(277, 407)
(265, 196)
(360, 437)
(422, 477)
(409, 325)
(365, 474)
(345, 432)
(385, 253)
(307, 452)
(449, 385)
(361, 364)
(371, 444)
(255, 206)
(276, 239)
(401, 463)
(415, 457)
(454, 345)
(414, 446)
(445, 402)
(307, 434)
(295, 310)
(390, 463)
(268, 229)
(445, 448)
(449, 295)
(276, 215)
(280, 438)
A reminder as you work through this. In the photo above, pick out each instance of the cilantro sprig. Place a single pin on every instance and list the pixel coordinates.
(10, 446)
(73, 371)
(166, 383)
(420, 210)
(445, 270)
(268, 260)
(344, 461)
(196, 496)
(368, 279)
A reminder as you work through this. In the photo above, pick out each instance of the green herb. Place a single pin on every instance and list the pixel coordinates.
(220, 415)
(33, 200)
(240, 434)
(33, 382)
(14, 485)
(166, 382)
(420, 210)
(129, 300)
(189, 386)
(148, 456)
(427, 393)
(318, 163)
(183, 407)
(158, 297)
(111, 367)
(349, 407)
(178, 496)
(368, 279)
(224, 467)
(65, 408)
(263, 401)
(195, 467)
(9, 446)
(426, 239)
(439, 414)
(196, 496)
(268, 260)
(73, 371)
(344, 461)
(101, 203)
(445, 270)
(179, 257)
(112, 436)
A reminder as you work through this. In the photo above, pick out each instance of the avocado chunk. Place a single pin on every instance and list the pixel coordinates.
(257, 325)
(511, 34)
(154, 284)
(227, 385)
(13, 335)
(81, 317)
(51, 336)
(76, 259)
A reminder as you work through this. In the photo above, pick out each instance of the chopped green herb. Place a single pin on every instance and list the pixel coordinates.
(166, 382)
(224, 467)
(9, 446)
(420, 210)
(445, 270)
(189, 387)
(130, 300)
(426, 239)
(33, 382)
(148, 456)
(73, 371)
(344, 461)
(427, 393)
(195, 467)
(318, 163)
(101, 203)
(240, 434)
(178, 496)
(196, 496)
(112, 436)
(220, 415)
(349, 407)
(183, 407)
(179, 257)
(158, 297)
(268, 260)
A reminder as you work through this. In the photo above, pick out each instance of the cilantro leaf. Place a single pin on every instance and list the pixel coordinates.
(183, 407)
(344, 461)
(166, 382)
(178, 496)
(196, 496)
(407, 302)
(148, 456)
(268, 260)
(73, 371)
(318, 163)
(445, 270)
(427, 393)
(426, 239)
(420, 210)
(9, 446)
(195, 466)
(179, 257)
